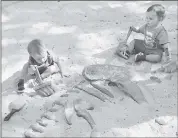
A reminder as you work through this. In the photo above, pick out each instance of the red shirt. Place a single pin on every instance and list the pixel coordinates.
(156, 38)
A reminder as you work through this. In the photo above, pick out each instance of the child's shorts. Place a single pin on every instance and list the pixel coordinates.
(140, 47)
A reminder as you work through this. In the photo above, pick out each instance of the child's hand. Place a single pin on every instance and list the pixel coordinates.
(123, 43)
(133, 29)
(31, 69)
(167, 60)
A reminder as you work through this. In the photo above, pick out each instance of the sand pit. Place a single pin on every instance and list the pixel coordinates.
(117, 123)
(83, 34)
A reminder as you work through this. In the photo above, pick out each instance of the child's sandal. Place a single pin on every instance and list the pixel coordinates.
(21, 85)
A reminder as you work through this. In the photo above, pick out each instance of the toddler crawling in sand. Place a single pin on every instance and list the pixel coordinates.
(155, 38)
(45, 61)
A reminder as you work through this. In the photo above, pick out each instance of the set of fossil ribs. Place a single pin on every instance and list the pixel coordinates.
(72, 103)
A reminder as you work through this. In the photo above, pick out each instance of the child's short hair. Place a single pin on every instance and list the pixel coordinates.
(36, 46)
(159, 9)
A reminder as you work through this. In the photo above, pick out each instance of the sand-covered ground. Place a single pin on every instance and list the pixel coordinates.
(85, 33)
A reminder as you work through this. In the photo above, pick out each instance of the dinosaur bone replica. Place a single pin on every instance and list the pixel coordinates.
(97, 83)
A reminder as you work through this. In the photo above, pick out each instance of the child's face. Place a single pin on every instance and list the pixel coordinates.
(152, 19)
(40, 58)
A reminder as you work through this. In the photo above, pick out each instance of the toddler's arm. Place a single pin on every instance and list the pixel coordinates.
(134, 29)
(23, 76)
(138, 30)
(56, 60)
(163, 40)
(167, 54)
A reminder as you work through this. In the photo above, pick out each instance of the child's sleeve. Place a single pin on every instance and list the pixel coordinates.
(142, 29)
(163, 41)
(22, 77)
(56, 60)
(53, 56)
(163, 38)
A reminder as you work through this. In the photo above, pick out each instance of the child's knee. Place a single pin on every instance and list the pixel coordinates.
(158, 58)
(132, 42)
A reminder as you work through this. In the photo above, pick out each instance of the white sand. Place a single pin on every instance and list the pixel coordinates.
(84, 33)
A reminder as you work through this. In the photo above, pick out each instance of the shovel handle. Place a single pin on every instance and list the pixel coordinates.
(9, 115)
(128, 34)
(38, 75)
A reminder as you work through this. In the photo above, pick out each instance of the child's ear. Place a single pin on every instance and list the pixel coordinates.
(160, 18)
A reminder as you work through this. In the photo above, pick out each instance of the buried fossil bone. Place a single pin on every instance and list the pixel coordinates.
(106, 72)
(68, 109)
(132, 90)
(99, 96)
(88, 88)
(84, 114)
(49, 116)
(64, 95)
(41, 122)
(53, 109)
(60, 101)
(37, 128)
(16, 106)
(74, 90)
(100, 86)
(31, 134)
(81, 112)
(83, 104)
(45, 122)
